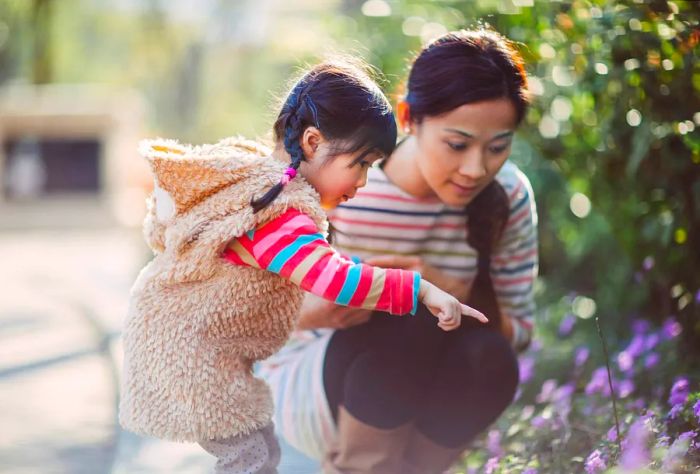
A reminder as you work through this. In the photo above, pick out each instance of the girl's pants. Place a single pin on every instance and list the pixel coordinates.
(398, 369)
(255, 453)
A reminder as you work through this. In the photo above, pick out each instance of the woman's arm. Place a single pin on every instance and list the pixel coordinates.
(455, 286)
(515, 261)
(317, 313)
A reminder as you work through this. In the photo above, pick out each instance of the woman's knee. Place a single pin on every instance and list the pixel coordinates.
(485, 354)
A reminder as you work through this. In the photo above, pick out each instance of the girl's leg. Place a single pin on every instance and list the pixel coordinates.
(255, 453)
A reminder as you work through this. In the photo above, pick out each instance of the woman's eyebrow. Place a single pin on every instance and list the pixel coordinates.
(505, 134)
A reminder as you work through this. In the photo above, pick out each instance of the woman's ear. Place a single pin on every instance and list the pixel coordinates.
(403, 114)
(310, 141)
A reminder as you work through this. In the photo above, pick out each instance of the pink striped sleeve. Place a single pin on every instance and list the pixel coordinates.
(292, 247)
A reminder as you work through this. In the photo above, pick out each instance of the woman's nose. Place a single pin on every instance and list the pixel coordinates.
(473, 165)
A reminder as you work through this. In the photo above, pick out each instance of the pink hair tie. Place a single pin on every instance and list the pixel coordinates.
(288, 175)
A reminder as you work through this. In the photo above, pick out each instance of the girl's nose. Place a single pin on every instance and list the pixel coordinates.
(362, 181)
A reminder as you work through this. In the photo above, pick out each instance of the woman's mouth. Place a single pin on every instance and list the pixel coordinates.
(463, 190)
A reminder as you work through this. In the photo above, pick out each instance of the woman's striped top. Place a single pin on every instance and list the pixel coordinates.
(383, 219)
(292, 247)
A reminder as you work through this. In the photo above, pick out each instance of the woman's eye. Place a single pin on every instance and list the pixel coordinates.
(499, 149)
(457, 146)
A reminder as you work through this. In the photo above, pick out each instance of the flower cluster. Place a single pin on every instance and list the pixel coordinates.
(563, 418)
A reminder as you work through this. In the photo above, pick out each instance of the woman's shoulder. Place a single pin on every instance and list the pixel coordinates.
(515, 183)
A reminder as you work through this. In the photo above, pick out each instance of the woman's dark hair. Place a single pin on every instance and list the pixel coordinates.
(341, 100)
(460, 68)
(464, 67)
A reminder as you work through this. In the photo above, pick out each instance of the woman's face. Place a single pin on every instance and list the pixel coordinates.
(460, 152)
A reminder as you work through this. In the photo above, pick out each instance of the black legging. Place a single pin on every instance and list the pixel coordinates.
(395, 369)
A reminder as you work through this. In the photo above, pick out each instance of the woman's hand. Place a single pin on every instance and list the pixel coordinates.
(319, 313)
(445, 307)
(455, 286)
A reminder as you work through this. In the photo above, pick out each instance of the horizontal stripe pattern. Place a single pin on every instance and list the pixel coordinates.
(382, 219)
(292, 247)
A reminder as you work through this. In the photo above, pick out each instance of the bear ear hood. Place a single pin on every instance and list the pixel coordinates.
(185, 174)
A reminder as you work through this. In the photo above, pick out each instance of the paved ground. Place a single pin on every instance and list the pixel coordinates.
(62, 300)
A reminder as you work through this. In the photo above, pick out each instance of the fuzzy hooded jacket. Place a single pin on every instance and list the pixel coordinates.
(196, 323)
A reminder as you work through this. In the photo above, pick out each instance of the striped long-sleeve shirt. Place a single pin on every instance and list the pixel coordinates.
(383, 219)
(292, 247)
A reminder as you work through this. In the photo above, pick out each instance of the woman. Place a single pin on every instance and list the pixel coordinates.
(384, 395)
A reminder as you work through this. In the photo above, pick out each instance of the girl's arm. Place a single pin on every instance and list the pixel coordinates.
(291, 246)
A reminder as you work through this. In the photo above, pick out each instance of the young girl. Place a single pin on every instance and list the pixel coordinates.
(238, 233)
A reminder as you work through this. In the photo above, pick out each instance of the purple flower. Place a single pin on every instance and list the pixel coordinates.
(648, 263)
(625, 361)
(671, 328)
(635, 454)
(530, 470)
(527, 368)
(625, 388)
(636, 346)
(581, 356)
(612, 434)
(677, 450)
(567, 325)
(595, 463)
(696, 410)
(536, 345)
(494, 443)
(651, 360)
(675, 411)
(539, 422)
(651, 341)
(598, 382)
(679, 392)
(638, 404)
(491, 465)
(640, 326)
(548, 388)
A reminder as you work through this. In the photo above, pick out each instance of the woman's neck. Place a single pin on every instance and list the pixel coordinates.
(402, 170)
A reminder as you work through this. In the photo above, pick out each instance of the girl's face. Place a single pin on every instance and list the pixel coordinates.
(460, 152)
(336, 177)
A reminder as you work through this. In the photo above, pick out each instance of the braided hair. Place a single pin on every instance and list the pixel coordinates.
(341, 100)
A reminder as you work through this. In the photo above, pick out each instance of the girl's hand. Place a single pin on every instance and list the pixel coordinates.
(455, 286)
(445, 307)
(319, 313)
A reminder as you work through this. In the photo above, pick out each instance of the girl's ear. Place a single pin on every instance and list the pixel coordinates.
(403, 114)
(310, 141)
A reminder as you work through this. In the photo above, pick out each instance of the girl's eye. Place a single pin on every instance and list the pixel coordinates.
(365, 164)
(457, 146)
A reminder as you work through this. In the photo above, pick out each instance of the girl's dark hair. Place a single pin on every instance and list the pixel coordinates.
(341, 100)
(460, 68)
